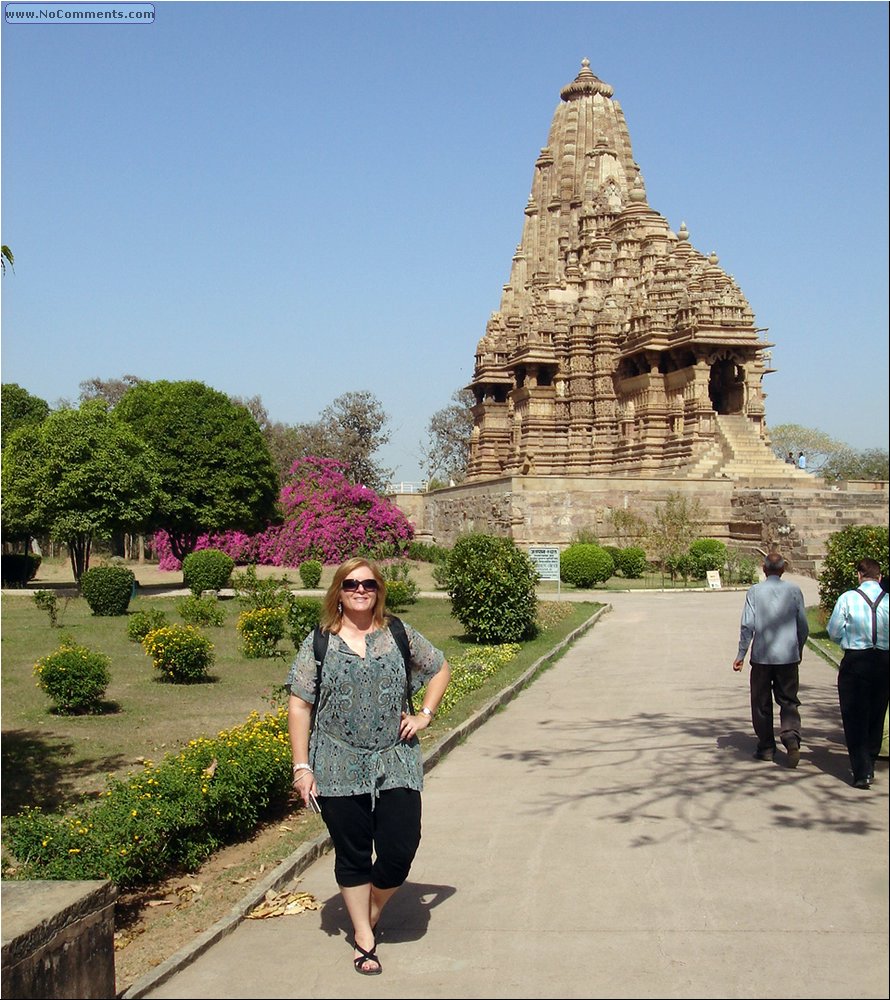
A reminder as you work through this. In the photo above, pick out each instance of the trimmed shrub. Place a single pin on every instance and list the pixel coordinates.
(182, 653)
(845, 549)
(632, 562)
(261, 630)
(585, 565)
(614, 552)
(492, 589)
(208, 569)
(18, 568)
(201, 611)
(310, 573)
(143, 622)
(303, 615)
(74, 677)
(706, 554)
(401, 590)
(108, 589)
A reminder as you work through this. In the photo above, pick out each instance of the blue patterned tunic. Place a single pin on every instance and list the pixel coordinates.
(354, 747)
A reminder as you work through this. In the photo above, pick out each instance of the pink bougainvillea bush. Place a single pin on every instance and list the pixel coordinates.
(325, 517)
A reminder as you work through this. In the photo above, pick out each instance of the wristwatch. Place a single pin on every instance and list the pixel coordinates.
(428, 712)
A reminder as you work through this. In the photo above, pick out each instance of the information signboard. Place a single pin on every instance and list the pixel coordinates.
(546, 560)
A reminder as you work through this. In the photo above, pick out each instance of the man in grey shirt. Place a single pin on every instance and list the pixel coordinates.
(774, 625)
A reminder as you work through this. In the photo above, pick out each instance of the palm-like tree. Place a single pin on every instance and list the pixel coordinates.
(6, 257)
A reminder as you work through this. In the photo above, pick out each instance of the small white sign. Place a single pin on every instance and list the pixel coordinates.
(713, 579)
(546, 560)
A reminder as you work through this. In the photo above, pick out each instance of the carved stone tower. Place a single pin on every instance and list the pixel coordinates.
(619, 349)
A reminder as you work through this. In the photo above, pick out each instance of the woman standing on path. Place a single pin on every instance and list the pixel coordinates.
(363, 759)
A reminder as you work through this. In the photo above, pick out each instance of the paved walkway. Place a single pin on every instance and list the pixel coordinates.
(608, 834)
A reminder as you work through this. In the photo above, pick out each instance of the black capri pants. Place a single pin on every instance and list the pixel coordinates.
(391, 828)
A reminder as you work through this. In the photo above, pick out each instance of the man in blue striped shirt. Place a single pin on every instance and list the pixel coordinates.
(858, 625)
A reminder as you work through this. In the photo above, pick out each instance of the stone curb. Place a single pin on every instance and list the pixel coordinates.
(306, 855)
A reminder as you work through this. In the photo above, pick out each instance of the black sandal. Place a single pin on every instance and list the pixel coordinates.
(366, 956)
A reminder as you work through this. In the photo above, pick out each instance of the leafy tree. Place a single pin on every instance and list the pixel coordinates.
(6, 257)
(79, 474)
(628, 525)
(448, 448)
(112, 390)
(18, 408)
(870, 465)
(216, 473)
(675, 524)
(349, 430)
(817, 446)
(845, 548)
(356, 423)
(285, 442)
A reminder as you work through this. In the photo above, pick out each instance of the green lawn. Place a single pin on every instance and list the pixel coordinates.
(817, 620)
(52, 761)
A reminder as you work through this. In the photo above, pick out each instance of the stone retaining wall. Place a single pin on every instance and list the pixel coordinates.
(540, 510)
(58, 940)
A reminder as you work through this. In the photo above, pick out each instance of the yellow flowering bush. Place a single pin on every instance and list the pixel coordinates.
(168, 816)
(470, 671)
(74, 677)
(182, 653)
(261, 629)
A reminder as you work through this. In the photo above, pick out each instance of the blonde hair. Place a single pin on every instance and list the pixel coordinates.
(332, 609)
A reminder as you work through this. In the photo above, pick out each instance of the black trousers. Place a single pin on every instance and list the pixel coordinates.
(863, 684)
(391, 829)
(782, 681)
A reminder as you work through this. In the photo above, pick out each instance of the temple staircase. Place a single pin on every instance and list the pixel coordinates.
(740, 454)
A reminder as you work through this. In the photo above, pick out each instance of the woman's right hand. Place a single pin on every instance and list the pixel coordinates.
(304, 784)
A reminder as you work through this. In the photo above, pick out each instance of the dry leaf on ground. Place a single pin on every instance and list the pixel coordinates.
(283, 904)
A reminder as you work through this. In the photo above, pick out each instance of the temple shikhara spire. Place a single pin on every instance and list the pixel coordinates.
(619, 349)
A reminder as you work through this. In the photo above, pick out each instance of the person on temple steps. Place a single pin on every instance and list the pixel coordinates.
(774, 625)
(858, 624)
(354, 741)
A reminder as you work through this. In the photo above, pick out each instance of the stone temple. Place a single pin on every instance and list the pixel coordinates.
(618, 348)
(624, 367)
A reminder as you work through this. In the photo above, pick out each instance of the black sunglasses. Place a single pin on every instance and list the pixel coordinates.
(368, 585)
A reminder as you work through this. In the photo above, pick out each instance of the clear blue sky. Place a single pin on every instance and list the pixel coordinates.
(296, 200)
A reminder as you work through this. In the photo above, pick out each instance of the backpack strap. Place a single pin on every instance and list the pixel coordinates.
(320, 640)
(874, 612)
(397, 627)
